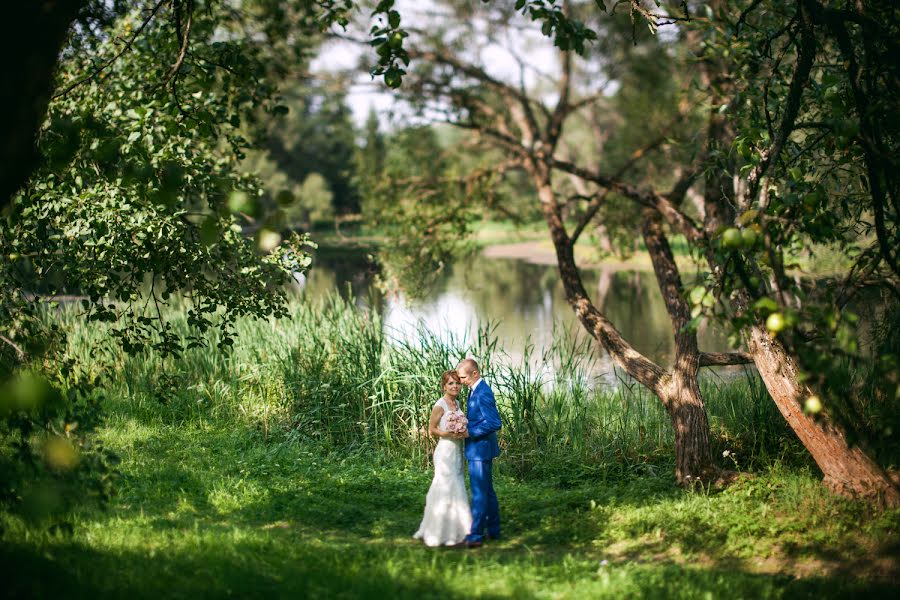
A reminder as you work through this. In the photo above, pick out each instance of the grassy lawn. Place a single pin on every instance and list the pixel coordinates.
(294, 466)
(215, 509)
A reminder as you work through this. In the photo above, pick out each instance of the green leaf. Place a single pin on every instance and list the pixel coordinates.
(209, 231)
(765, 305)
(747, 217)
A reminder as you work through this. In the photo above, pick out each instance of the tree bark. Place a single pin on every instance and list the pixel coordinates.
(847, 470)
(680, 394)
(678, 389)
(33, 36)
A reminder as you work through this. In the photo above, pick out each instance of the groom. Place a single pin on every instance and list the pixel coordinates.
(481, 449)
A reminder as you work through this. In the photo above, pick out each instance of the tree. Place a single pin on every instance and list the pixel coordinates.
(811, 169)
(140, 185)
(37, 32)
(504, 115)
(507, 117)
(317, 136)
(424, 211)
(131, 196)
(370, 157)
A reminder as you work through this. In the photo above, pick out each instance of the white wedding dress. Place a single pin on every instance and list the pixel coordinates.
(448, 517)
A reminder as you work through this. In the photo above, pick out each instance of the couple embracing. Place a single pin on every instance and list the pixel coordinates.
(449, 520)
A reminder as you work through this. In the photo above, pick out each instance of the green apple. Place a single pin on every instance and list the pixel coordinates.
(812, 404)
(748, 238)
(775, 322)
(731, 238)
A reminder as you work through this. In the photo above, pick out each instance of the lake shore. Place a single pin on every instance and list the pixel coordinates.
(531, 244)
(542, 253)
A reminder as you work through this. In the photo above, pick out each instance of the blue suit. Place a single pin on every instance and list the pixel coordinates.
(481, 449)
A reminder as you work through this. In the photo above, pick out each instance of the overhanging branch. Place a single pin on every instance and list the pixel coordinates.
(125, 48)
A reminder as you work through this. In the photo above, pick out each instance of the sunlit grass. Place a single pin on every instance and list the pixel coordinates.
(217, 509)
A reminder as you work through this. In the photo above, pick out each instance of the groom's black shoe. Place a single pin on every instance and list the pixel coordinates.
(470, 544)
(488, 537)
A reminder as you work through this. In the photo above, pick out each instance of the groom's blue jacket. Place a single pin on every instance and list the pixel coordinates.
(484, 423)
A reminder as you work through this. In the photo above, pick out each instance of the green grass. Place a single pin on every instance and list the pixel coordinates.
(296, 466)
(328, 373)
(219, 510)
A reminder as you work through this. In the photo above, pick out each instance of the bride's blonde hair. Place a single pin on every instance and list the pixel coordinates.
(447, 376)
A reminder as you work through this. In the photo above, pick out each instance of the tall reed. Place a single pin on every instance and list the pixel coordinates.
(332, 374)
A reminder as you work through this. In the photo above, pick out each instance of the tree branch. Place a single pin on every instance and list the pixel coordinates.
(806, 53)
(554, 127)
(20, 354)
(184, 45)
(597, 201)
(507, 91)
(590, 211)
(647, 198)
(717, 359)
(124, 49)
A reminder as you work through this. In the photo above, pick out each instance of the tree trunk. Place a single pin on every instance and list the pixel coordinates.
(638, 366)
(847, 470)
(680, 392)
(33, 36)
(680, 395)
(678, 389)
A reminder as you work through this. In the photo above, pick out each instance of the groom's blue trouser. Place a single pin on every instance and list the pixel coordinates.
(485, 508)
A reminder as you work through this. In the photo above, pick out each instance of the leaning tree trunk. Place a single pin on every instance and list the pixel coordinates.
(677, 389)
(680, 394)
(847, 470)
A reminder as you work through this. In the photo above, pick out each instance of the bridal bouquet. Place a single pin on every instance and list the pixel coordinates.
(457, 422)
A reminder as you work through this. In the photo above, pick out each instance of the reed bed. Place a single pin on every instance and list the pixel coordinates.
(332, 374)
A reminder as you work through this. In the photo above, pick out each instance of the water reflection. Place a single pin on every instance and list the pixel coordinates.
(524, 300)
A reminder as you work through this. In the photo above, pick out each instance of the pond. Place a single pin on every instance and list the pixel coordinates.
(522, 300)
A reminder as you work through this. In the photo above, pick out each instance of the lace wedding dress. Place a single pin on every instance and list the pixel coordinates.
(448, 517)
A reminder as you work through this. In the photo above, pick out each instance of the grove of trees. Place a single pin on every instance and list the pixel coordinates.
(764, 115)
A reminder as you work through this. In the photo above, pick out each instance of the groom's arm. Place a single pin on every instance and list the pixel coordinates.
(488, 419)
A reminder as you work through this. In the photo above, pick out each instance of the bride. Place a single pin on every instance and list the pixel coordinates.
(447, 515)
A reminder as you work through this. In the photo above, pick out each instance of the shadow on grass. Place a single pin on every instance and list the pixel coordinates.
(313, 491)
(241, 570)
(76, 571)
(301, 523)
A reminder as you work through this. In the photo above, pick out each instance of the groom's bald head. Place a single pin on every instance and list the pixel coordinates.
(468, 372)
(468, 364)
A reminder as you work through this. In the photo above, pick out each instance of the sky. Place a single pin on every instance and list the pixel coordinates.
(366, 93)
(497, 59)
